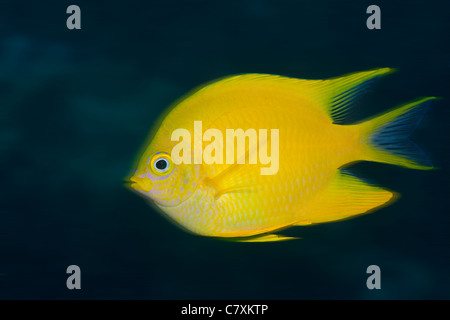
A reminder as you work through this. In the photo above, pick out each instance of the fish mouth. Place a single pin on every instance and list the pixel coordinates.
(141, 184)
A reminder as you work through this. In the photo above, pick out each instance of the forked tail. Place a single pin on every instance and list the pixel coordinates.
(387, 140)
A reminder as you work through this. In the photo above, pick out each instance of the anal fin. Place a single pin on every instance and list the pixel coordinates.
(345, 197)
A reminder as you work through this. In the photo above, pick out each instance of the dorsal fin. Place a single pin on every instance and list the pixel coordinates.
(335, 95)
(338, 94)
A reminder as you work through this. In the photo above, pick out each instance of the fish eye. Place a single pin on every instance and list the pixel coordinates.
(161, 164)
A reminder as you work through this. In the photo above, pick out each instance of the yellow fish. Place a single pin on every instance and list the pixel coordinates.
(301, 122)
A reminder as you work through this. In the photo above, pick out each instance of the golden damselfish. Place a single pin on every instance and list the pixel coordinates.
(234, 200)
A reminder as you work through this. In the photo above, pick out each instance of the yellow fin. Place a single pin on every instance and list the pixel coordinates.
(302, 223)
(234, 178)
(264, 238)
(338, 94)
(335, 95)
(386, 136)
(346, 196)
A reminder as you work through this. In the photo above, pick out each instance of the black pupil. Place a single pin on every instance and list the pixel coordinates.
(161, 164)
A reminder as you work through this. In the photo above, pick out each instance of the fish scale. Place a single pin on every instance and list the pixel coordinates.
(235, 200)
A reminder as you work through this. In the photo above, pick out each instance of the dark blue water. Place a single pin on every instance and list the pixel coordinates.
(76, 106)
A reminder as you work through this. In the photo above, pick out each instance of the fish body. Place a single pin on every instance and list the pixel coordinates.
(307, 185)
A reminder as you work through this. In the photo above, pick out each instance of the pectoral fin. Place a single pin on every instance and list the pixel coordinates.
(236, 178)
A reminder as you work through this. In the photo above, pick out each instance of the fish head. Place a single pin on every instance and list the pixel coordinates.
(168, 184)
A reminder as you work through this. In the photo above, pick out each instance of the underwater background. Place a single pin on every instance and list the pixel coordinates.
(76, 107)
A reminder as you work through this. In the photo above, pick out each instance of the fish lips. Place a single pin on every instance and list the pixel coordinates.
(139, 184)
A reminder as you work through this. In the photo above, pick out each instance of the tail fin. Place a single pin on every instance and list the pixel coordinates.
(387, 136)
